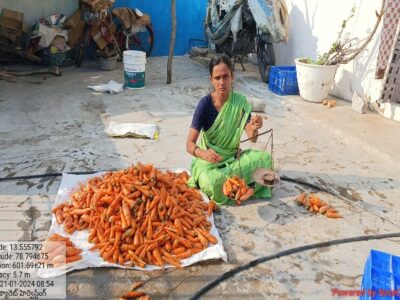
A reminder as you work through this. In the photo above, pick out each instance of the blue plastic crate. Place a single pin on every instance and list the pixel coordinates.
(381, 279)
(283, 80)
(396, 287)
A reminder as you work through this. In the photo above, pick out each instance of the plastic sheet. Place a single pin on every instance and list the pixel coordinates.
(111, 87)
(135, 130)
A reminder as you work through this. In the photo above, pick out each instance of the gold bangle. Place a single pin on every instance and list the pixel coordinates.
(194, 150)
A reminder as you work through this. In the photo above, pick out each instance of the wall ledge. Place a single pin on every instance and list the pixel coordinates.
(388, 110)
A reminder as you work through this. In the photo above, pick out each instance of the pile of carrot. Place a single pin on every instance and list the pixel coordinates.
(237, 189)
(60, 253)
(133, 293)
(316, 205)
(139, 216)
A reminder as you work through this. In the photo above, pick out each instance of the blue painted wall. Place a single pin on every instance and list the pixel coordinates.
(190, 16)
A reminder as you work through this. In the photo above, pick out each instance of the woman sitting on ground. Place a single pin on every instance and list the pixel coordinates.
(219, 120)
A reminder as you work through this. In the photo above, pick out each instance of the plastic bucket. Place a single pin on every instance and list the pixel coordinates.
(107, 64)
(134, 69)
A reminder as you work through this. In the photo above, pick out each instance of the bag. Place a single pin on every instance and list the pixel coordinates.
(271, 17)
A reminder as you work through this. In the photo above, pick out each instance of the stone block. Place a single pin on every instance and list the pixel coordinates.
(358, 104)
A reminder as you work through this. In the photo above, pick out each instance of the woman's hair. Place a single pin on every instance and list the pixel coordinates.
(217, 59)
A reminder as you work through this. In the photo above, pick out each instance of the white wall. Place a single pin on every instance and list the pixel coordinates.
(314, 26)
(35, 9)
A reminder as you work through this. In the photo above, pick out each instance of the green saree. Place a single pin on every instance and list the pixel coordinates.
(224, 138)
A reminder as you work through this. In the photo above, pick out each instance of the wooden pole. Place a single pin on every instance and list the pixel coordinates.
(171, 41)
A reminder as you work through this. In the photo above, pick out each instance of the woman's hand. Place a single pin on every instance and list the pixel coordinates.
(208, 155)
(256, 122)
(252, 127)
(211, 156)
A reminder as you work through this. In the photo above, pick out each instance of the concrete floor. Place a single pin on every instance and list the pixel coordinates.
(59, 126)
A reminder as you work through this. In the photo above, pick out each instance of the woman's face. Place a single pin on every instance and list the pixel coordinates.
(221, 79)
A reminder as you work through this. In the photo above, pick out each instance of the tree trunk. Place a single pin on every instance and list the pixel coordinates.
(172, 41)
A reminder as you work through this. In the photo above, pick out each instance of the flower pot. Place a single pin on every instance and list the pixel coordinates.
(315, 81)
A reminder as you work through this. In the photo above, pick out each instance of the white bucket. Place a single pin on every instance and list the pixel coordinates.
(134, 69)
(315, 81)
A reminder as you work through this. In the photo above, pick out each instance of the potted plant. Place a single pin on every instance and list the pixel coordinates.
(315, 77)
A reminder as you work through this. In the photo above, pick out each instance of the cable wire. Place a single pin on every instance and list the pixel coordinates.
(51, 175)
(287, 252)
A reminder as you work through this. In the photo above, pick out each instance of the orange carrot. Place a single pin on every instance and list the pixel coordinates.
(133, 294)
(59, 216)
(330, 214)
(136, 285)
(178, 226)
(172, 261)
(123, 220)
(126, 213)
(203, 239)
(209, 236)
(323, 209)
(158, 258)
(72, 251)
(211, 206)
(188, 253)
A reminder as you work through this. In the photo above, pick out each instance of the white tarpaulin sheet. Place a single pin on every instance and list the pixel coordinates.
(111, 87)
(135, 130)
(69, 184)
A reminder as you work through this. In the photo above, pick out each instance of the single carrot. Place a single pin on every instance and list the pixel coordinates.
(188, 253)
(323, 209)
(136, 285)
(158, 258)
(172, 261)
(209, 236)
(72, 251)
(178, 250)
(58, 207)
(332, 214)
(59, 216)
(211, 206)
(133, 294)
(154, 202)
(149, 233)
(126, 213)
(248, 194)
(60, 250)
(123, 220)
(136, 259)
(300, 198)
(178, 226)
(203, 239)
(57, 237)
